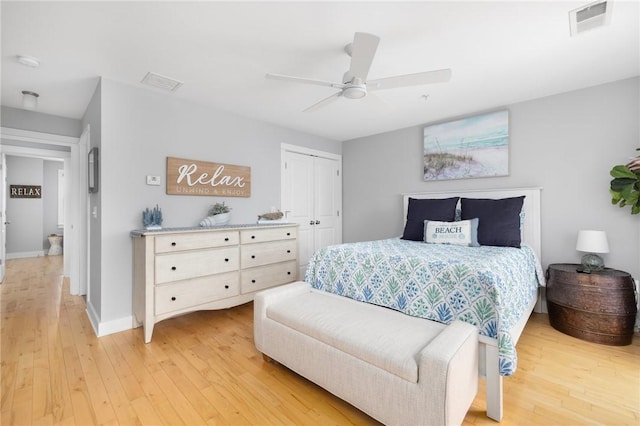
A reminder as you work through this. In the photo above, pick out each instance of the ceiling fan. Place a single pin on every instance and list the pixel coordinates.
(354, 82)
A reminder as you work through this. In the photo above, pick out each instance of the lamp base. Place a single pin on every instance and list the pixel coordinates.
(591, 263)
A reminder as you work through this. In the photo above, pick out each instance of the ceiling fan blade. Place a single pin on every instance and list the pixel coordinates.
(304, 80)
(363, 50)
(417, 79)
(323, 102)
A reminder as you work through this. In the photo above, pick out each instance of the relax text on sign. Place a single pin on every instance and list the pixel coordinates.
(191, 177)
(25, 191)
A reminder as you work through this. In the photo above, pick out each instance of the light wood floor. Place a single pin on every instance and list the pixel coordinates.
(203, 368)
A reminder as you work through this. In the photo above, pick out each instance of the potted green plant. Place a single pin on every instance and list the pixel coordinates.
(221, 213)
(625, 186)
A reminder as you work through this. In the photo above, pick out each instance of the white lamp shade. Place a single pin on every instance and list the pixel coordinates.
(592, 242)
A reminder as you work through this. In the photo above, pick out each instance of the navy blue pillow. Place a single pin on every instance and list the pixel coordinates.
(419, 210)
(499, 220)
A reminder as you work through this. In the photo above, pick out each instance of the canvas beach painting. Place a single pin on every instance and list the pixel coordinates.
(472, 147)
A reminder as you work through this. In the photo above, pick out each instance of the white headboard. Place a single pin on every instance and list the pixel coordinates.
(531, 208)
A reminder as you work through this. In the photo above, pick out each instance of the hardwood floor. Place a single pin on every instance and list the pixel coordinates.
(203, 368)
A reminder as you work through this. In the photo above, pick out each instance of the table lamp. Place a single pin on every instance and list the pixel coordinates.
(592, 242)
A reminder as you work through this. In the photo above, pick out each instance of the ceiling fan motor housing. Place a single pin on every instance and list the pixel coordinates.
(355, 89)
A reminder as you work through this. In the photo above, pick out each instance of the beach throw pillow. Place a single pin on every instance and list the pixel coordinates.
(419, 210)
(463, 232)
(499, 219)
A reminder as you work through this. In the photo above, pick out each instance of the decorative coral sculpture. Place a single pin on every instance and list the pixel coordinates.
(152, 219)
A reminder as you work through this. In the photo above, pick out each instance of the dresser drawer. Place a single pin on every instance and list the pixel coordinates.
(196, 291)
(191, 264)
(268, 276)
(248, 236)
(195, 241)
(263, 254)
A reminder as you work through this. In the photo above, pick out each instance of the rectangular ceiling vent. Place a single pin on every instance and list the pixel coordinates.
(161, 82)
(591, 16)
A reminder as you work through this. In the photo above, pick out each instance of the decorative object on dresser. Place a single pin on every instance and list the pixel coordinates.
(592, 242)
(152, 219)
(189, 269)
(599, 307)
(625, 186)
(219, 214)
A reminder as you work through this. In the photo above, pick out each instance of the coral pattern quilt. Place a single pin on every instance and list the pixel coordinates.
(490, 287)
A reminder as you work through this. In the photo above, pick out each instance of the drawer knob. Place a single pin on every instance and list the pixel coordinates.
(173, 298)
(288, 233)
(253, 281)
(173, 244)
(253, 256)
(226, 286)
(173, 268)
(288, 251)
(289, 273)
(253, 237)
(226, 259)
(226, 239)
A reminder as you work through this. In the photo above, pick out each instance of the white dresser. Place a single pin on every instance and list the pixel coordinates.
(180, 270)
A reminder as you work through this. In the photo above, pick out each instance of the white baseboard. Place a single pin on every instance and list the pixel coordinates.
(108, 327)
(24, 254)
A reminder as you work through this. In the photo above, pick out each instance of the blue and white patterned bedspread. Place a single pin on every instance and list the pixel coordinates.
(490, 287)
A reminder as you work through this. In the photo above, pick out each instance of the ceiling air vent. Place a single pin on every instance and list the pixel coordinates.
(162, 82)
(591, 16)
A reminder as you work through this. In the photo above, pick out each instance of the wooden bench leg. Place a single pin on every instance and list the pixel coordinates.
(267, 358)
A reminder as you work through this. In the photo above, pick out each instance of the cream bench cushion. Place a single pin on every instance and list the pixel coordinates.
(379, 336)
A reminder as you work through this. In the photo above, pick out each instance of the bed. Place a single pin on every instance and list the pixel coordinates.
(493, 287)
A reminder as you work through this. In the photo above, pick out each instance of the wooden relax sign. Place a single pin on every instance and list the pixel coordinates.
(191, 177)
(25, 191)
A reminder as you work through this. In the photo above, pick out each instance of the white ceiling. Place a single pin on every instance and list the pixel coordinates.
(500, 53)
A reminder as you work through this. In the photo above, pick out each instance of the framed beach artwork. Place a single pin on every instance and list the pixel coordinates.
(472, 147)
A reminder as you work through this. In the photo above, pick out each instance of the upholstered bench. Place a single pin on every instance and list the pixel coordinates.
(396, 368)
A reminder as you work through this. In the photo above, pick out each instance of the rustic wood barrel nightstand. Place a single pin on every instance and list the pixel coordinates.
(599, 307)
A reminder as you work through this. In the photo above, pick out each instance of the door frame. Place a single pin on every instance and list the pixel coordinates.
(74, 211)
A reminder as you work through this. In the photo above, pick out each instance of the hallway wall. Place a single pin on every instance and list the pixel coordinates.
(31, 219)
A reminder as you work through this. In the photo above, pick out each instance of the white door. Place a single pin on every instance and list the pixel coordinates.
(3, 216)
(312, 198)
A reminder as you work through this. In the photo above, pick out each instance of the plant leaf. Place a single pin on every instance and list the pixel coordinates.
(620, 171)
(618, 184)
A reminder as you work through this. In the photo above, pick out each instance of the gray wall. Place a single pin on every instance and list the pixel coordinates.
(140, 128)
(565, 143)
(32, 220)
(39, 122)
(25, 231)
(93, 117)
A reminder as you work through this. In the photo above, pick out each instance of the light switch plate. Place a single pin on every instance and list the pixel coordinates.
(153, 180)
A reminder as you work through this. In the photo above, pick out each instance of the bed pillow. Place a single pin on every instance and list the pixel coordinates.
(463, 232)
(499, 220)
(420, 210)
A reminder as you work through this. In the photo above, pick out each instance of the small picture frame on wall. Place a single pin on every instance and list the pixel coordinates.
(93, 170)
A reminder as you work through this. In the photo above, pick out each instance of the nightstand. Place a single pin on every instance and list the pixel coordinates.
(598, 307)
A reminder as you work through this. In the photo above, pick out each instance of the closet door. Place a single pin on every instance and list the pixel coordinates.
(311, 197)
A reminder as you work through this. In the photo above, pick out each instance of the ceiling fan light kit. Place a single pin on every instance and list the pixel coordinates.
(354, 81)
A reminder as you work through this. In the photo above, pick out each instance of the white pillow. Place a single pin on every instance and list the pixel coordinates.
(463, 232)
